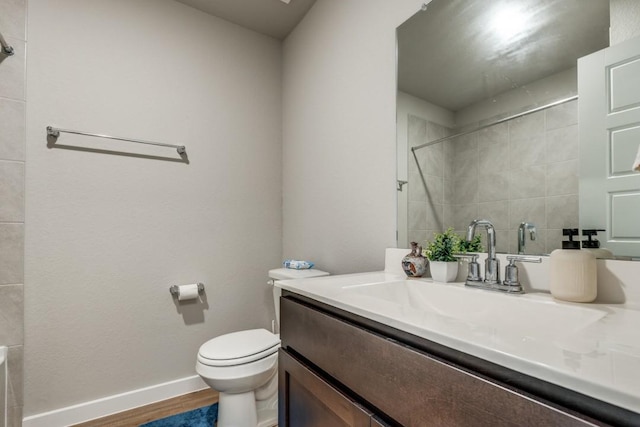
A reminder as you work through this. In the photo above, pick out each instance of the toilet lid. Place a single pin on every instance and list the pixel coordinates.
(238, 347)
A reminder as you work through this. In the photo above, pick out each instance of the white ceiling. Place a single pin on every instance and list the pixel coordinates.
(451, 55)
(270, 17)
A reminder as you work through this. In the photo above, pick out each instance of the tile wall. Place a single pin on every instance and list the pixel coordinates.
(524, 170)
(428, 197)
(12, 167)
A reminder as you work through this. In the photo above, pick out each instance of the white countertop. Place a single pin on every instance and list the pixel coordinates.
(600, 359)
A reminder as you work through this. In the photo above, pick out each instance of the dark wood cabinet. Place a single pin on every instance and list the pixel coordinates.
(306, 400)
(377, 423)
(337, 372)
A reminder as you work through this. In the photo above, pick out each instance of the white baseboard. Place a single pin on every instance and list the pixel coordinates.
(113, 404)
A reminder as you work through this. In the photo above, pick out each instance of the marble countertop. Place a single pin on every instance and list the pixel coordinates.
(596, 351)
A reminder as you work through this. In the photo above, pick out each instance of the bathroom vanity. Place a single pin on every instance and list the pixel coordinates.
(372, 350)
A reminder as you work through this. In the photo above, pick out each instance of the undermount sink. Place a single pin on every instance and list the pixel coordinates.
(528, 316)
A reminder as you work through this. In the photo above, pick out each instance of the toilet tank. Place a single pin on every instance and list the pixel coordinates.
(285, 274)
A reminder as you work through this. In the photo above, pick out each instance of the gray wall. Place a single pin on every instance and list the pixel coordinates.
(109, 233)
(12, 166)
(339, 140)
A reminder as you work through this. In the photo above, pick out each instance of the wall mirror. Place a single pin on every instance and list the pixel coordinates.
(487, 122)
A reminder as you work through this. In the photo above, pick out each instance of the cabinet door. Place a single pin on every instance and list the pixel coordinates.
(306, 400)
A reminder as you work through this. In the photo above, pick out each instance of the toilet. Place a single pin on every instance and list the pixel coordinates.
(243, 367)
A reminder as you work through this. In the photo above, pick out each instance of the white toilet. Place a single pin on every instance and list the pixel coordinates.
(243, 367)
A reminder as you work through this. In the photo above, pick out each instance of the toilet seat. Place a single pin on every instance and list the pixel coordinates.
(238, 348)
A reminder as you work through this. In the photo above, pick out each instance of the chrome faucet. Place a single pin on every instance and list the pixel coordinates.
(521, 238)
(491, 264)
(491, 280)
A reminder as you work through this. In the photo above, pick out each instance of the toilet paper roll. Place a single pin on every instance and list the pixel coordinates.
(187, 292)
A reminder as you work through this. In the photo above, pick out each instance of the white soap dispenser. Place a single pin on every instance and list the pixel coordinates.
(573, 271)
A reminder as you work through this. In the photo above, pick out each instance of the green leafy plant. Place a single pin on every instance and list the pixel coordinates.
(474, 245)
(443, 246)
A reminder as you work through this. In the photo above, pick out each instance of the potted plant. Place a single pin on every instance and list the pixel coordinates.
(439, 251)
(475, 245)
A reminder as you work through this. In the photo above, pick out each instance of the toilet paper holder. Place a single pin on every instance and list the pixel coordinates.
(175, 289)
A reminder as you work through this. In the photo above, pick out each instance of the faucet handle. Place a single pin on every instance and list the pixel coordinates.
(511, 280)
(521, 258)
(473, 275)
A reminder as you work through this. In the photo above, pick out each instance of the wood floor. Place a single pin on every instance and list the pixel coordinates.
(155, 411)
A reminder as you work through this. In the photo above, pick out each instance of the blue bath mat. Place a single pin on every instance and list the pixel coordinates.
(201, 417)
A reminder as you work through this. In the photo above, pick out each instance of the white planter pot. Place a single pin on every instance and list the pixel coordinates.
(443, 271)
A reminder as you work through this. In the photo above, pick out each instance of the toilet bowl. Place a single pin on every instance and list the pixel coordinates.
(243, 367)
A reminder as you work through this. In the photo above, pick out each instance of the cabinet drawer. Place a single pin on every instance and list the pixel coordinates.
(306, 400)
(409, 386)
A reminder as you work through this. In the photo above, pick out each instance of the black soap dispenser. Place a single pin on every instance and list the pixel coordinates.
(592, 244)
(570, 244)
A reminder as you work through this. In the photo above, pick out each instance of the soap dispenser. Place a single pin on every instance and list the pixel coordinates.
(573, 271)
(592, 244)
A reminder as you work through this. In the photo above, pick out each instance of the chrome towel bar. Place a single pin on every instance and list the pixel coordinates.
(55, 133)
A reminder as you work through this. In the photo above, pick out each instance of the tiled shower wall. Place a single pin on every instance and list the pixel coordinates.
(12, 165)
(524, 170)
(427, 197)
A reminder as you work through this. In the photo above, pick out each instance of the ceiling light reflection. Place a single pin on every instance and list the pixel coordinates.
(509, 23)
